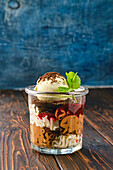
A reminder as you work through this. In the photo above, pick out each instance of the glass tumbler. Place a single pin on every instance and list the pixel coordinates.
(56, 120)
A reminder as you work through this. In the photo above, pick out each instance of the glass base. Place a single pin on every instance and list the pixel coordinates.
(57, 151)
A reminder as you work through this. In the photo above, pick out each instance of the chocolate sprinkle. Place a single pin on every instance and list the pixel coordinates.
(50, 76)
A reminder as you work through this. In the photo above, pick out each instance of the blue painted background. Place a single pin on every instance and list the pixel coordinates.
(55, 35)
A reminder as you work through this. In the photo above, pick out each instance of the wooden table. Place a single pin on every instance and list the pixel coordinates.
(15, 150)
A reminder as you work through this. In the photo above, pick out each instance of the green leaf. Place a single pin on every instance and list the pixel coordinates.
(74, 76)
(68, 81)
(73, 81)
(70, 76)
(64, 89)
(76, 82)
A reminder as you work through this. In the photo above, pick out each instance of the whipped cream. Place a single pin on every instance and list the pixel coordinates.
(44, 122)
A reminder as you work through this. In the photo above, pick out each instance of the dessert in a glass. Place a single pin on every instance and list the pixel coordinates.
(56, 108)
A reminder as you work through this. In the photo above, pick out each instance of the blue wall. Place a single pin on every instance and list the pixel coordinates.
(55, 35)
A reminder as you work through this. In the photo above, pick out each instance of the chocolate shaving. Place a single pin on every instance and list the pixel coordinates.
(50, 76)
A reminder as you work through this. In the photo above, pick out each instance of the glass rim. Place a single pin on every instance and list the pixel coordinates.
(77, 92)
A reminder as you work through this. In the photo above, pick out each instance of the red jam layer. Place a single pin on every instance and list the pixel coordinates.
(49, 115)
(65, 110)
(70, 109)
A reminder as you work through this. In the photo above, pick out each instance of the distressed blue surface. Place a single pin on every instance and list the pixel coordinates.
(61, 35)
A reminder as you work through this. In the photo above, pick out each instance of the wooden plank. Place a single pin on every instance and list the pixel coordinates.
(99, 111)
(95, 154)
(15, 150)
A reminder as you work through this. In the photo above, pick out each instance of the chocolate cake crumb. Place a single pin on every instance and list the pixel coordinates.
(49, 106)
(50, 76)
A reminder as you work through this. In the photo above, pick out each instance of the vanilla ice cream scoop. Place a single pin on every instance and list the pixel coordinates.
(50, 82)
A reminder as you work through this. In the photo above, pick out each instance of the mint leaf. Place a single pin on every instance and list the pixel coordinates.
(68, 79)
(70, 76)
(73, 81)
(64, 89)
(76, 82)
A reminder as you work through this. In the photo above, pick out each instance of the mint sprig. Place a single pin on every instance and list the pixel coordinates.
(73, 81)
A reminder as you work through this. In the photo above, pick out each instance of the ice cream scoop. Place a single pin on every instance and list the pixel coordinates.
(50, 82)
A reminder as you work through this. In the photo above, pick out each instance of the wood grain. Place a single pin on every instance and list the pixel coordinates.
(95, 154)
(15, 150)
(99, 111)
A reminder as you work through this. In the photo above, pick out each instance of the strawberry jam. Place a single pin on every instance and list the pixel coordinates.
(49, 115)
(69, 109)
(65, 110)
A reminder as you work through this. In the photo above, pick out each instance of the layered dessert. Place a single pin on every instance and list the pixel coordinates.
(56, 120)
